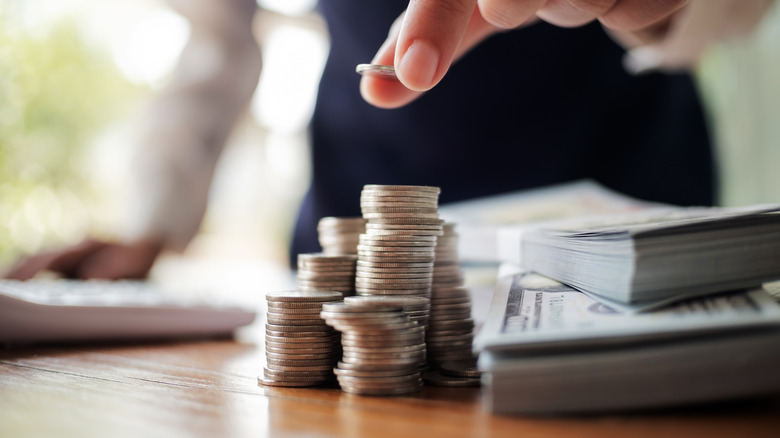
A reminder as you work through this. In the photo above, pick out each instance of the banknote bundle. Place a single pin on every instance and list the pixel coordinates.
(548, 348)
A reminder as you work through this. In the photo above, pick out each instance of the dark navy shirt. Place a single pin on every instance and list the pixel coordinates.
(526, 108)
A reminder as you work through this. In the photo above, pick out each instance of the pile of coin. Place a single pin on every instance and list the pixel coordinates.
(446, 267)
(339, 235)
(301, 350)
(383, 350)
(396, 254)
(317, 271)
(450, 332)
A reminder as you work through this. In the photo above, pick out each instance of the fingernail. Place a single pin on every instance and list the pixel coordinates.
(417, 67)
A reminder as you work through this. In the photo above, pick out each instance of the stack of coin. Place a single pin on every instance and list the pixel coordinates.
(301, 350)
(446, 268)
(450, 331)
(339, 235)
(383, 350)
(317, 271)
(396, 254)
(418, 309)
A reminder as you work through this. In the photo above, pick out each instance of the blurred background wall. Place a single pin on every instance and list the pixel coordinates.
(75, 75)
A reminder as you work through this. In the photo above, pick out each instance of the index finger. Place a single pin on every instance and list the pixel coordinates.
(429, 38)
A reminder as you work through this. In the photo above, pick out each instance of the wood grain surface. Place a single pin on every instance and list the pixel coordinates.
(209, 388)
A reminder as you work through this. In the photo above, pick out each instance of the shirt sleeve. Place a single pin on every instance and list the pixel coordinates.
(690, 32)
(186, 127)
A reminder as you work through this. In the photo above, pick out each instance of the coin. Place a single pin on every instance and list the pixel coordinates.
(383, 343)
(403, 231)
(377, 70)
(379, 381)
(387, 202)
(327, 367)
(398, 240)
(378, 273)
(298, 322)
(341, 222)
(293, 311)
(287, 346)
(410, 188)
(283, 328)
(409, 331)
(381, 391)
(385, 349)
(300, 296)
(303, 340)
(436, 378)
(396, 251)
(381, 373)
(406, 303)
(461, 369)
(324, 274)
(397, 266)
(281, 348)
(269, 372)
(294, 383)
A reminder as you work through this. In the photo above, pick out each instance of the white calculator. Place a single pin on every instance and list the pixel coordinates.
(38, 310)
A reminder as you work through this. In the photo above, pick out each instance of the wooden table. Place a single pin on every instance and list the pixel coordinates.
(209, 388)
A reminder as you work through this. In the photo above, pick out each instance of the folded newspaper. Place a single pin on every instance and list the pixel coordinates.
(656, 255)
(547, 348)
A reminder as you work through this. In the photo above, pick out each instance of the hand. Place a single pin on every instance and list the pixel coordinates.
(92, 259)
(431, 34)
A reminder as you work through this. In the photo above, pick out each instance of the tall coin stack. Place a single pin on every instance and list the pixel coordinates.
(317, 271)
(301, 350)
(383, 350)
(450, 332)
(339, 235)
(396, 254)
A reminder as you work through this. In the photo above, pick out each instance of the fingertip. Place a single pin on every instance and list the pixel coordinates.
(386, 93)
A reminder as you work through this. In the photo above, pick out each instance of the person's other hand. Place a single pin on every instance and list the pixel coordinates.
(92, 259)
(431, 34)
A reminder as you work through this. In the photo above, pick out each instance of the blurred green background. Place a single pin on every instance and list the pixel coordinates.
(57, 93)
(60, 91)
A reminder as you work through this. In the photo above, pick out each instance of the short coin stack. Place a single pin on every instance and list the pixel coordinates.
(301, 350)
(450, 332)
(396, 254)
(339, 235)
(383, 350)
(317, 271)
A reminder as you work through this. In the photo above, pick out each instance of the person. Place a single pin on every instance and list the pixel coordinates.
(493, 96)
